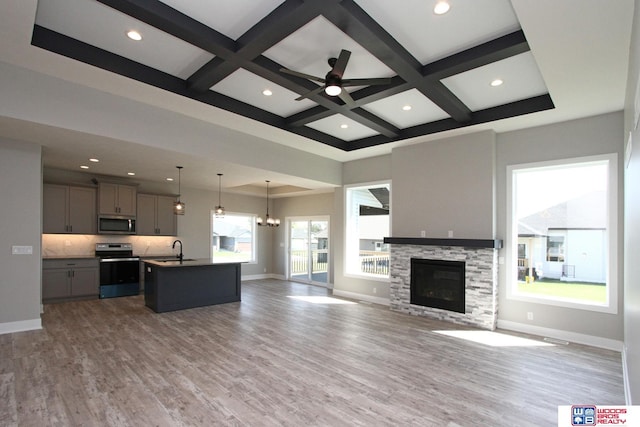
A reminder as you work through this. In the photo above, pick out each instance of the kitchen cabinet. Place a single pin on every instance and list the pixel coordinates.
(66, 279)
(69, 209)
(116, 199)
(155, 215)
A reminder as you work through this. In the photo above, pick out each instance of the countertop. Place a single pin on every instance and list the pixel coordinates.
(186, 263)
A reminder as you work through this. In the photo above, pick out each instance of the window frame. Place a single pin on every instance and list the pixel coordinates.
(254, 236)
(611, 263)
(347, 258)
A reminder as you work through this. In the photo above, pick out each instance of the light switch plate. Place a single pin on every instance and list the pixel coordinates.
(21, 250)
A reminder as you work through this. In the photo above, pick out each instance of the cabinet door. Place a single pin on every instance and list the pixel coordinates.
(146, 217)
(54, 208)
(82, 210)
(56, 283)
(84, 282)
(126, 200)
(108, 198)
(165, 218)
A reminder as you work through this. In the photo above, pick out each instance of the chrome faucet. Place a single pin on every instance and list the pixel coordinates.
(174, 246)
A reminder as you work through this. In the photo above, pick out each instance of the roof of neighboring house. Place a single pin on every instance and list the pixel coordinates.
(587, 211)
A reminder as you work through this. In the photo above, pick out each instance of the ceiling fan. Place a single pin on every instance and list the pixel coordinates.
(333, 82)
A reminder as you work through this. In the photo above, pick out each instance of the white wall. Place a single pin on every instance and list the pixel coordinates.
(585, 137)
(632, 223)
(21, 192)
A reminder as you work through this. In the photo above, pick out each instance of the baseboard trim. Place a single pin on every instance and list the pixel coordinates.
(361, 297)
(574, 337)
(262, 277)
(625, 377)
(20, 326)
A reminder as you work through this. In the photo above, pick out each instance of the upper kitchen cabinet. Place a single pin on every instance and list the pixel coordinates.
(155, 215)
(116, 199)
(69, 209)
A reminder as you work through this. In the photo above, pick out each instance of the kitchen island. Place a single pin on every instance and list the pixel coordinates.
(176, 285)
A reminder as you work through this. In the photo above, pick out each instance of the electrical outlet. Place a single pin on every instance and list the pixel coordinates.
(375, 290)
(67, 242)
(529, 315)
(450, 233)
(423, 233)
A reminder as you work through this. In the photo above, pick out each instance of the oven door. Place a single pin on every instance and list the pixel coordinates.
(119, 277)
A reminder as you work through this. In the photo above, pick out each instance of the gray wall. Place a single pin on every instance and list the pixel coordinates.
(20, 173)
(584, 137)
(632, 224)
(445, 185)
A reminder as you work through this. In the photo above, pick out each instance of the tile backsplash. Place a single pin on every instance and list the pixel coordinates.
(55, 245)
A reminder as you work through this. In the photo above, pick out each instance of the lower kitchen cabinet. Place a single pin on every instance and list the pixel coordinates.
(66, 279)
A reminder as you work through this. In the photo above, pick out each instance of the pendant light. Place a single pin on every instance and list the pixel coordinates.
(219, 209)
(270, 222)
(178, 207)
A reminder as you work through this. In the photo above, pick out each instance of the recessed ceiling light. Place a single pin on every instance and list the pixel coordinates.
(344, 126)
(406, 108)
(441, 8)
(134, 35)
(84, 167)
(131, 173)
(496, 82)
(94, 160)
(267, 92)
(169, 179)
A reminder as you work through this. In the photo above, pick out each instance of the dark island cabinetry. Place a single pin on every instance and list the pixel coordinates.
(175, 285)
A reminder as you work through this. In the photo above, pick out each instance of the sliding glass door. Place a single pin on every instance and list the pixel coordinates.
(309, 250)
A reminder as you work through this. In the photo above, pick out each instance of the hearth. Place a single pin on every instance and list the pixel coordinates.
(438, 284)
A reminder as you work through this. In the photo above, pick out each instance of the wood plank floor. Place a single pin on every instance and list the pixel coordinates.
(273, 360)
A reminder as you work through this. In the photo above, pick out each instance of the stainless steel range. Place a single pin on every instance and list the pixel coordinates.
(119, 270)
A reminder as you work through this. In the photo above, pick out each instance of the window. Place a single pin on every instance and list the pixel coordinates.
(367, 223)
(562, 233)
(233, 238)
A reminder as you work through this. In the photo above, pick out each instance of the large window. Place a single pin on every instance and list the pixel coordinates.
(367, 223)
(233, 238)
(561, 246)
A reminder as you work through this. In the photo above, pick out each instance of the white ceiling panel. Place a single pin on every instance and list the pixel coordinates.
(106, 28)
(308, 50)
(429, 37)
(392, 109)
(231, 18)
(248, 87)
(519, 73)
(334, 126)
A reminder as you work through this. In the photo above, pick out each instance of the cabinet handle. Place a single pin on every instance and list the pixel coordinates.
(71, 228)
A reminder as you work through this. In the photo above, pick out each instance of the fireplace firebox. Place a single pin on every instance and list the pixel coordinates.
(438, 284)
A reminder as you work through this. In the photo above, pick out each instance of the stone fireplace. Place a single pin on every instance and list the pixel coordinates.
(480, 265)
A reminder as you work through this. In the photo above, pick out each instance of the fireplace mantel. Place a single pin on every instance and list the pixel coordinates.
(425, 241)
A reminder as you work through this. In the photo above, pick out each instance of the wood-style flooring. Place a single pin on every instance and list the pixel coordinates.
(272, 360)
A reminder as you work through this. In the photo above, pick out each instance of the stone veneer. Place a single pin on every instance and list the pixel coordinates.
(481, 278)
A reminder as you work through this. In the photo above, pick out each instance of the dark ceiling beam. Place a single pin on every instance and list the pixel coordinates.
(486, 53)
(356, 23)
(518, 108)
(169, 20)
(280, 23)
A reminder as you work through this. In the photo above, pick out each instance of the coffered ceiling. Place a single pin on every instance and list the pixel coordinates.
(226, 54)
(206, 66)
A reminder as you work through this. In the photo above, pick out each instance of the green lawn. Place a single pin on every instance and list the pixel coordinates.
(595, 292)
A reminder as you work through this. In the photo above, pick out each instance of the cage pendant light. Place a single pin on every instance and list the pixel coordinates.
(219, 209)
(178, 207)
(269, 222)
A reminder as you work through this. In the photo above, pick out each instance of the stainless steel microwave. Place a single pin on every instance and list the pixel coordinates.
(112, 224)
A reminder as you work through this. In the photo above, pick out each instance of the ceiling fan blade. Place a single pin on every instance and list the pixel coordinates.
(311, 93)
(341, 63)
(366, 82)
(303, 75)
(347, 99)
